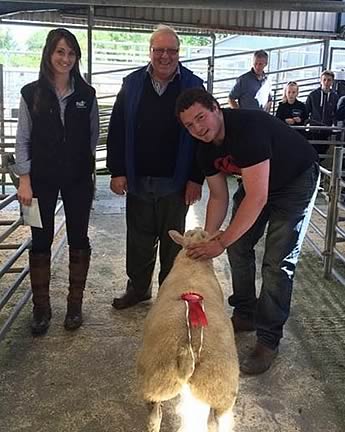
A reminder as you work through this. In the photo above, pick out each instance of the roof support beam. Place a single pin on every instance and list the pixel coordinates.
(285, 5)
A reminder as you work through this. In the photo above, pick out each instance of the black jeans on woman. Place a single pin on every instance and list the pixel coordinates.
(77, 200)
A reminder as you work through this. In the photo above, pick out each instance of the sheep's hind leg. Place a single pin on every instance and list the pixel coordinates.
(225, 421)
(155, 416)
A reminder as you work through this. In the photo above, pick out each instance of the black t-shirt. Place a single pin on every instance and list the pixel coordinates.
(253, 136)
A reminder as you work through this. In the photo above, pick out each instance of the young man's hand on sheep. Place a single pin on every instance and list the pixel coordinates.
(211, 249)
(207, 250)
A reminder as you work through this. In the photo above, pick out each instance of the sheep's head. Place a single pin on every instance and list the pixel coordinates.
(196, 235)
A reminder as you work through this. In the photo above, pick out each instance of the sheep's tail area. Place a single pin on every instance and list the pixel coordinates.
(193, 412)
(195, 317)
(185, 364)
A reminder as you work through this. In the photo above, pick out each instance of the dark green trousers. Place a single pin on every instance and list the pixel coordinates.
(148, 223)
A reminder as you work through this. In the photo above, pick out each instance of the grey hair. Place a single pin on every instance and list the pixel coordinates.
(261, 54)
(161, 29)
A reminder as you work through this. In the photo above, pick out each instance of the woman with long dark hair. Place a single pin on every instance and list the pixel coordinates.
(57, 133)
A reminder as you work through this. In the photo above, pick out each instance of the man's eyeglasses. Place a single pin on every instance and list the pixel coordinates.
(160, 51)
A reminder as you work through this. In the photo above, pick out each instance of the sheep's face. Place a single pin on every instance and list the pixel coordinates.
(196, 235)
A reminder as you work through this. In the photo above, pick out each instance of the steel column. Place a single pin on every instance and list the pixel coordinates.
(332, 211)
(90, 17)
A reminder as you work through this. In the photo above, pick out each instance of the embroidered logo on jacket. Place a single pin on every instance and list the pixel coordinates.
(80, 104)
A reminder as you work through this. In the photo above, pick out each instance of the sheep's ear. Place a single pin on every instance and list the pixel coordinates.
(177, 237)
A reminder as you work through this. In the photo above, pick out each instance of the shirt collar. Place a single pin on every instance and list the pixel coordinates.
(160, 86)
(149, 70)
(69, 92)
(257, 76)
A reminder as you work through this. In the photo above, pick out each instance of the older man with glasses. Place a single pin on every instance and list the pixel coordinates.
(151, 158)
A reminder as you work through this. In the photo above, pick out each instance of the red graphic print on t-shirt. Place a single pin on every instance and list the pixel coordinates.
(226, 165)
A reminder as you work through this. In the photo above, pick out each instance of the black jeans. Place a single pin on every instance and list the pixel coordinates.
(286, 216)
(148, 220)
(77, 200)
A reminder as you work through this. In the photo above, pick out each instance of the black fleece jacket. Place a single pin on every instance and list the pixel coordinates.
(321, 106)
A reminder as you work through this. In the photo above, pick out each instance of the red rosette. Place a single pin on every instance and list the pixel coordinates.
(192, 297)
(196, 313)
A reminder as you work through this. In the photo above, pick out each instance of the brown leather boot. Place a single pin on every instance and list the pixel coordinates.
(241, 324)
(40, 277)
(79, 261)
(259, 360)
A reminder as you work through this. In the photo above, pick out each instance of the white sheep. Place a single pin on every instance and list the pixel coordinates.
(198, 363)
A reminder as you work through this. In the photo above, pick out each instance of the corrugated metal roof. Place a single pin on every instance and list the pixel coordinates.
(14, 7)
(334, 6)
(227, 20)
(278, 22)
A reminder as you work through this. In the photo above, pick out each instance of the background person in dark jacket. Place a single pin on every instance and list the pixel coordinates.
(340, 114)
(291, 110)
(321, 105)
(152, 159)
(56, 140)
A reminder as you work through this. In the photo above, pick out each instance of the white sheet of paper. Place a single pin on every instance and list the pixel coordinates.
(32, 215)
(263, 93)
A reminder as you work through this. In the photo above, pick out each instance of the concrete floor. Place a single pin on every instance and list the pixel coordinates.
(85, 381)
